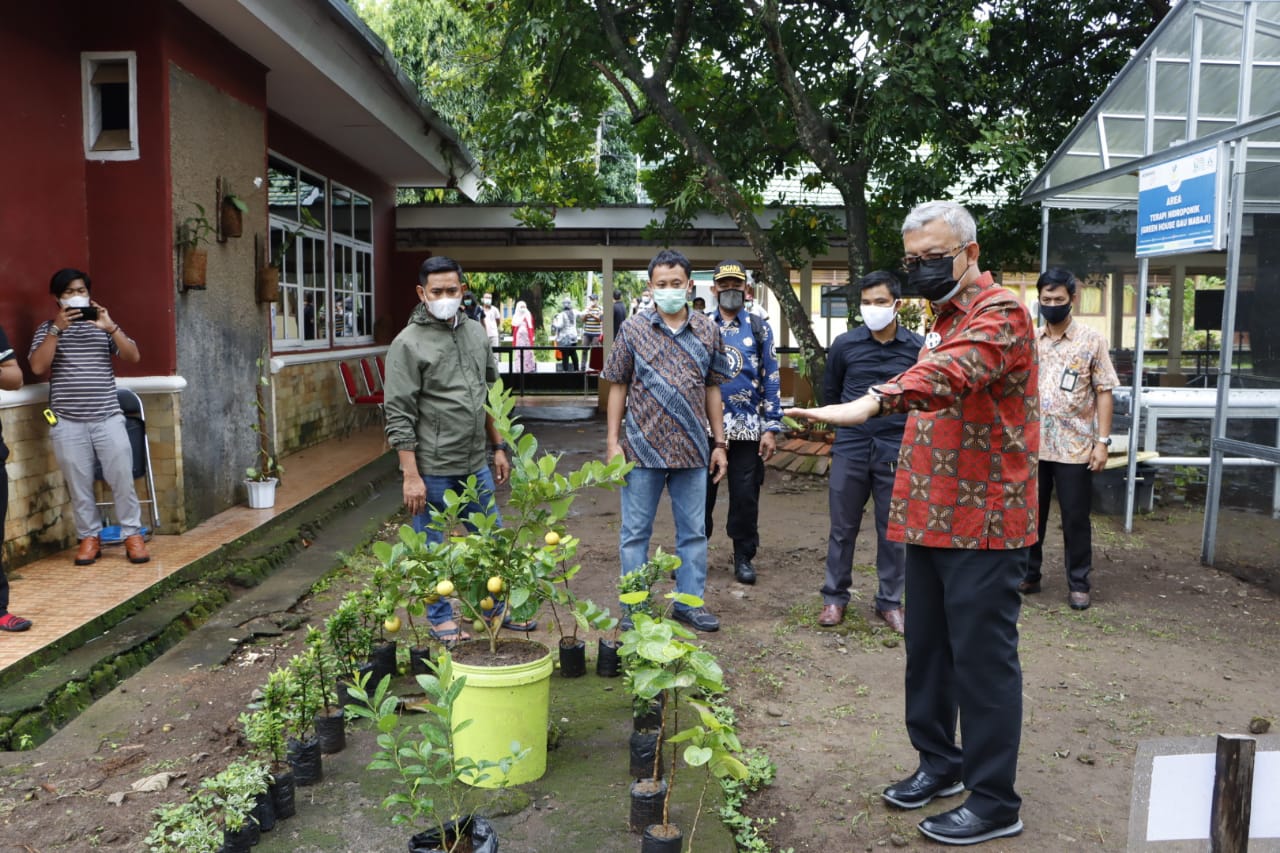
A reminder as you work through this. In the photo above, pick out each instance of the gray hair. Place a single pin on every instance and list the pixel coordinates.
(956, 216)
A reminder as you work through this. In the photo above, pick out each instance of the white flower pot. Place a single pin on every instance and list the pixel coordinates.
(262, 493)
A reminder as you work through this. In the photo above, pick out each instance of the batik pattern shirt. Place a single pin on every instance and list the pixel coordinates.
(1075, 368)
(666, 373)
(752, 395)
(967, 468)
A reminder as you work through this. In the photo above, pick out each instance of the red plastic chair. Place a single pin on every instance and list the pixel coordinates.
(354, 397)
(382, 369)
(370, 383)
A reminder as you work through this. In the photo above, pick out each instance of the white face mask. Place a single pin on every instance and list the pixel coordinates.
(488, 301)
(75, 302)
(444, 308)
(878, 316)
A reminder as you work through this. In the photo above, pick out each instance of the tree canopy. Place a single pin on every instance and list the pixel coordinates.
(891, 102)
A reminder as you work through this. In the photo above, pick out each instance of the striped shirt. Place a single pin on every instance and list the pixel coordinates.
(593, 320)
(667, 374)
(82, 385)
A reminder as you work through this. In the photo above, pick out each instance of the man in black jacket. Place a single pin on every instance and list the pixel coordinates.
(863, 457)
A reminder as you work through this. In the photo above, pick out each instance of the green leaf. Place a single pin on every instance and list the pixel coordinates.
(696, 756)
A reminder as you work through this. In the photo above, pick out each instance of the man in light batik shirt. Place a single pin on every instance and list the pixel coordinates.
(1076, 378)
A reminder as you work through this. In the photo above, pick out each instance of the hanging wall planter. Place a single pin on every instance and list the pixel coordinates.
(232, 217)
(268, 284)
(195, 265)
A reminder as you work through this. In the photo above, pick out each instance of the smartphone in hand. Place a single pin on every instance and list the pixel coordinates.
(89, 312)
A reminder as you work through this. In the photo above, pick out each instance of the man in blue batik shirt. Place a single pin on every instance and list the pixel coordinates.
(752, 412)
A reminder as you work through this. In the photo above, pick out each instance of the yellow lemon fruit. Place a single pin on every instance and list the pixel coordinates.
(391, 625)
(431, 598)
(445, 588)
(486, 603)
(495, 585)
(552, 538)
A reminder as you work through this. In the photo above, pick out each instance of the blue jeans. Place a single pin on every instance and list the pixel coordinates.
(688, 490)
(437, 485)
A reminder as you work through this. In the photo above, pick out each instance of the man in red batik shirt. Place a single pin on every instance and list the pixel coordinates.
(965, 503)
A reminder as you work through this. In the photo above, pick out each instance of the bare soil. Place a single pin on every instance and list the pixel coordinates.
(1170, 648)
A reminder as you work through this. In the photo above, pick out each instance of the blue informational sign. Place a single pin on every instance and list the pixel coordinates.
(1182, 204)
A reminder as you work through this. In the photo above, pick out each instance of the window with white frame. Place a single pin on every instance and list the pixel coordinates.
(322, 242)
(109, 103)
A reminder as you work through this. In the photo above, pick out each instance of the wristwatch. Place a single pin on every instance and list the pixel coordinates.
(503, 446)
(1104, 440)
(55, 331)
(723, 445)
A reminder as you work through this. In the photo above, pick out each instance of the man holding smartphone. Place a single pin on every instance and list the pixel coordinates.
(75, 348)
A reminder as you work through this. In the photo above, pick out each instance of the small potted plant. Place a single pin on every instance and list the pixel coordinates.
(318, 665)
(712, 744)
(232, 794)
(193, 232)
(188, 827)
(261, 478)
(431, 773)
(351, 642)
(302, 747)
(662, 659)
(264, 730)
(577, 613)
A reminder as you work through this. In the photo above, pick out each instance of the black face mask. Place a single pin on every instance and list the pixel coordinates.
(731, 300)
(932, 279)
(1055, 314)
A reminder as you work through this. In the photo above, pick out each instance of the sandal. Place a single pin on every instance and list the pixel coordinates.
(526, 626)
(9, 622)
(449, 636)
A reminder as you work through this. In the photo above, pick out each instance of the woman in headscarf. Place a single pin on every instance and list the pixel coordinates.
(522, 336)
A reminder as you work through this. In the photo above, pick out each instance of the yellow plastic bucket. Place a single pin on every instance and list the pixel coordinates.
(504, 704)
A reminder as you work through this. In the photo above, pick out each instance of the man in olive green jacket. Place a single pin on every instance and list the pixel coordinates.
(439, 369)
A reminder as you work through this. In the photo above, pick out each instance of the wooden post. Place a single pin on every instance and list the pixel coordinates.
(1232, 794)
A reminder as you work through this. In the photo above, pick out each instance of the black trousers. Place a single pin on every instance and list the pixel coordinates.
(849, 483)
(4, 514)
(746, 474)
(1075, 502)
(568, 355)
(962, 658)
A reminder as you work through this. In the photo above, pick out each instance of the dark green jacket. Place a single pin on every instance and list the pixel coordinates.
(438, 375)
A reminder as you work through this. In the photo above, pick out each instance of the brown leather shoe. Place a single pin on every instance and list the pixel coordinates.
(136, 548)
(1078, 600)
(895, 619)
(90, 550)
(1029, 587)
(831, 615)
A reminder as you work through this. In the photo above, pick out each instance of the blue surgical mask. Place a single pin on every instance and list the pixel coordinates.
(670, 300)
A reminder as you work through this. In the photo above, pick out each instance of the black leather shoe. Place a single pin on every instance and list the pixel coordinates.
(919, 789)
(698, 618)
(961, 826)
(744, 572)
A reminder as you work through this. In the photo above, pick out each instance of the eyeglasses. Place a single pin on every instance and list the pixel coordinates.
(912, 262)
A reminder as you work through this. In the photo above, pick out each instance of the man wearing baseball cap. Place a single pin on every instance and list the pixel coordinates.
(752, 412)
